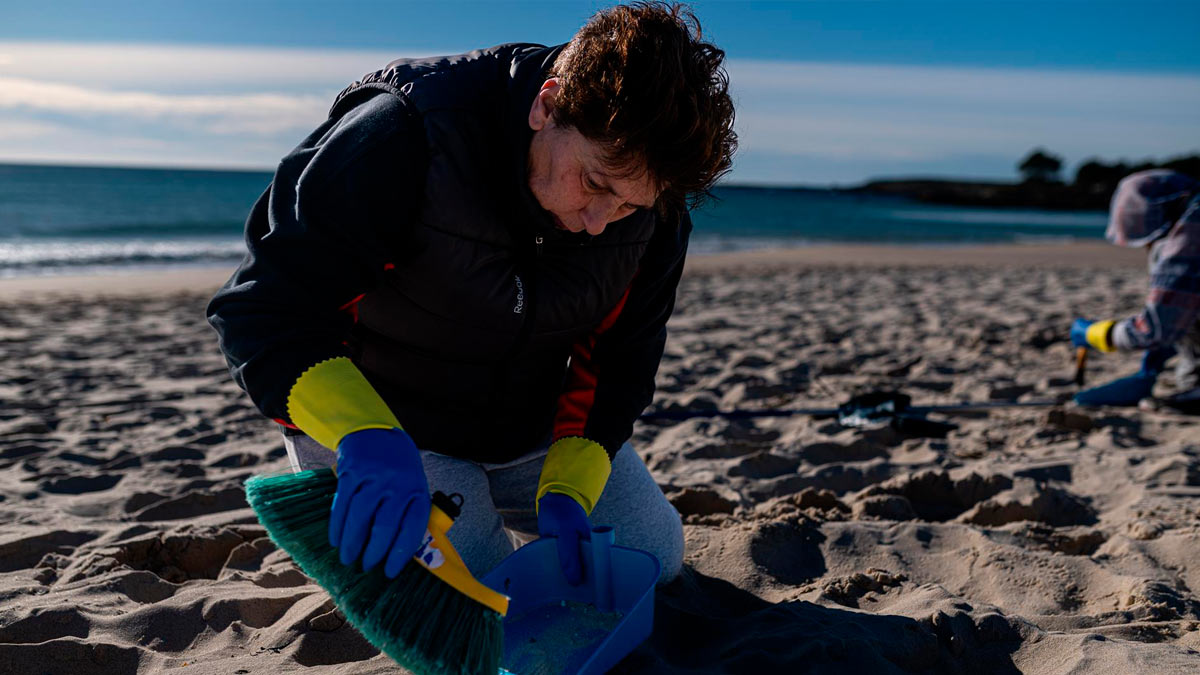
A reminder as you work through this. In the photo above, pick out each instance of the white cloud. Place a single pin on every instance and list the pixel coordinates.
(250, 105)
(72, 144)
(997, 86)
(213, 113)
(161, 104)
(13, 130)
(198, 68)
(878, 115)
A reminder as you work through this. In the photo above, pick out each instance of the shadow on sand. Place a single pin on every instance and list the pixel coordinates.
(704, 624)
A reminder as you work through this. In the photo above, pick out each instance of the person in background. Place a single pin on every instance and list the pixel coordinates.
(1158, 210)
(460, 282)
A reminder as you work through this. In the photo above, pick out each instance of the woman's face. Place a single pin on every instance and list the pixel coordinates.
(569, 179)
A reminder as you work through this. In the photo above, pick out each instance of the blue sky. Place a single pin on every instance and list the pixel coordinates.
(827, 92)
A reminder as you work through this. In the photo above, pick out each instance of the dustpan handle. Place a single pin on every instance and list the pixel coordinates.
(603, 538)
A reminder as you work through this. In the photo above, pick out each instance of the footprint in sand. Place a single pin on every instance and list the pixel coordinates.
(235, 460)
(263, 564)
(25, 552)
(79, 458)
(935, 496)
(839, 478)
(789, 551)
(175, 453)
(75, 485)
(725, 450)
(1031, 500)
(764, 465)
(195, 503)
(45, 623)
(20, 453)
(700, 502)
(163, 413)
(21, 450)
(177, 556)
(828, 452)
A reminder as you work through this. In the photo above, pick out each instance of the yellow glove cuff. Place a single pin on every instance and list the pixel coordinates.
(575, 467)
(332, 399)
(1098, 335)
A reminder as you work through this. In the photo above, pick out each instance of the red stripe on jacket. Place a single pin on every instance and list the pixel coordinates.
(352, 307)
(579, 394)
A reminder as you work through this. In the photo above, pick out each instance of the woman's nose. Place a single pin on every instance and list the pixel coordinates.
(596, 217)
(599, 212)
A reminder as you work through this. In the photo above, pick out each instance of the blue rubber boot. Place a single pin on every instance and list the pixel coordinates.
(1126, 391)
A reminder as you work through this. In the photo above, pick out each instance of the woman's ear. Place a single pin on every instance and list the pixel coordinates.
(541, 113)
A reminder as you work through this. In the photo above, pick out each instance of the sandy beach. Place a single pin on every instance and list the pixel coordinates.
(1039, 540)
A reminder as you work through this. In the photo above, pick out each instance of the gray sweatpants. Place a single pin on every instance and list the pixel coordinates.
(498, 503)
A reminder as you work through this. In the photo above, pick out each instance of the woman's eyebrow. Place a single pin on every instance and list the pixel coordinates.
(602, 181)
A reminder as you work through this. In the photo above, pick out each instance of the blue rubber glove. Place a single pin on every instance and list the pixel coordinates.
(562, 517)
(1120, 392)
(382, 499)
(1079, 330)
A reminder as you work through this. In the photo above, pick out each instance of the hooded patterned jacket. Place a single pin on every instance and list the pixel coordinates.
(1160, 209)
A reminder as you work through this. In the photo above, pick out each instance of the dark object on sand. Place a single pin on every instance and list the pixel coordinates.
(890, 408)
(870, 410)
(430, 618)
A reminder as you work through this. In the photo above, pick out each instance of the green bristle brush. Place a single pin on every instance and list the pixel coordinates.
(433, 618)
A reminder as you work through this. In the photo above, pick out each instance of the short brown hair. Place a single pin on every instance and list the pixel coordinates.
(639, 80)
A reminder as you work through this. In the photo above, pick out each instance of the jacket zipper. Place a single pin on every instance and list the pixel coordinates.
(537, 241)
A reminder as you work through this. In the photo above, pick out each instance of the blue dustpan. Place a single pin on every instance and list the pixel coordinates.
(553, 627)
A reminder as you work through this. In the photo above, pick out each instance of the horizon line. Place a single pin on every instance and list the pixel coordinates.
(721, 184)
(734, 183)
(84, 164)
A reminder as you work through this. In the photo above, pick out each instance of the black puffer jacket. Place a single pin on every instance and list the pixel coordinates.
(402, 234)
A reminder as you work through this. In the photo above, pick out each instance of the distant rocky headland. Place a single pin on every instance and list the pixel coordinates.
(1041, 187)
(1038, 195)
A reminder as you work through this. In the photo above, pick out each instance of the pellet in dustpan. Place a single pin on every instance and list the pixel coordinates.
(555, 628)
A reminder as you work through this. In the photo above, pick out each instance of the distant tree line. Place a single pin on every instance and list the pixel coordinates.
(1094, 177)
(1041, 187)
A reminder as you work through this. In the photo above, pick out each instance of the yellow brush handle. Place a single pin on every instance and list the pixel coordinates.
(440, 558)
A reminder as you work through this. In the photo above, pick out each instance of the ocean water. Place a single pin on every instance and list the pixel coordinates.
(58, 220)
